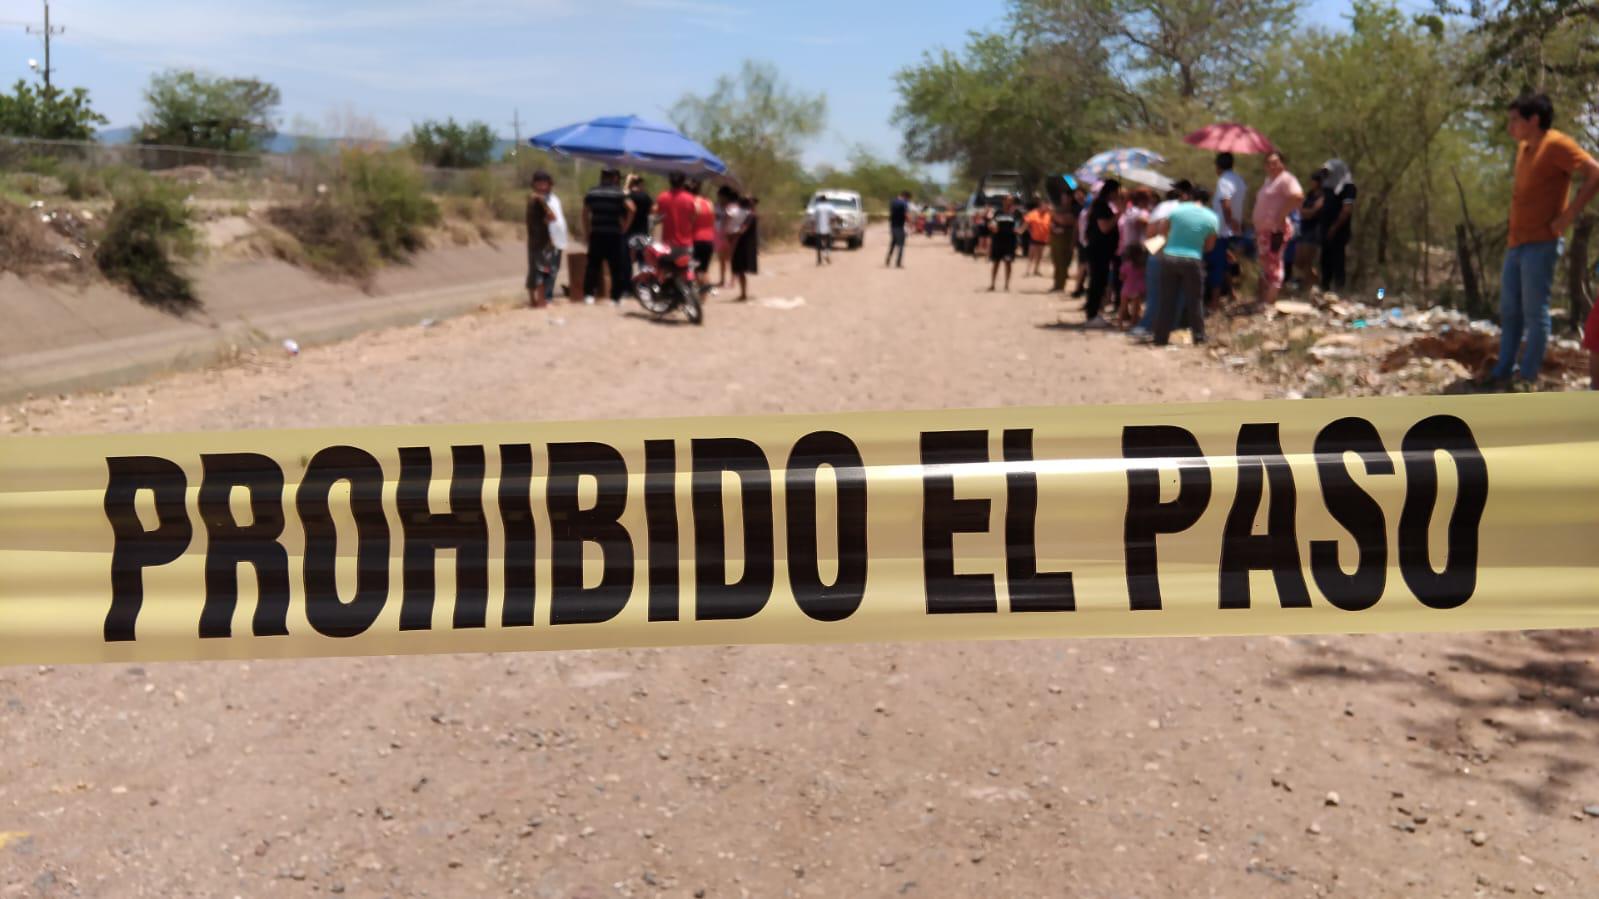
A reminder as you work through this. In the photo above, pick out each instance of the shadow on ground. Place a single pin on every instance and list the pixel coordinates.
(1519, 710)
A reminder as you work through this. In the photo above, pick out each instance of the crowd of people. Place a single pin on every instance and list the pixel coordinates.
(725, 230)
(1149, 264)
(1119, 235)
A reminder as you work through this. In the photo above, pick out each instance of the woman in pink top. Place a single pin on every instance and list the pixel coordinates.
(1278, 198)
(1132, 223)
(704, 230)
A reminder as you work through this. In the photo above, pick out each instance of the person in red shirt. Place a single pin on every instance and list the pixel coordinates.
(704, 228)
(675, 206)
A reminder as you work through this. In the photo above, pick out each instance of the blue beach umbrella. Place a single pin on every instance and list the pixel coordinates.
(632, 142)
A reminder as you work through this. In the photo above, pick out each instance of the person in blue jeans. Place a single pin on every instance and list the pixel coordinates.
(1546, 160)
(1144, 330)
(1190, 233)
(898, 212)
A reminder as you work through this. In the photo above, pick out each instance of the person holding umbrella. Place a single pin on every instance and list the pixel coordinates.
(1228, 202)
(1231, 200)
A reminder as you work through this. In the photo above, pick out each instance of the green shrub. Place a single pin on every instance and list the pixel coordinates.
(83, 183)
(387, 192)
(147, 238)
(42, 165)
(375, 210)
(333, 239)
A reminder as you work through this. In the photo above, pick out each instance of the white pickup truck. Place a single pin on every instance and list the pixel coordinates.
(849, 217)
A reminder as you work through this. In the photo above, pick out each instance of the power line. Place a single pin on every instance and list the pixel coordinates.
(46, 32)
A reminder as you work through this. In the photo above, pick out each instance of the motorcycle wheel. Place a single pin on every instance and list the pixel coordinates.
(693, 307)
(652, 301)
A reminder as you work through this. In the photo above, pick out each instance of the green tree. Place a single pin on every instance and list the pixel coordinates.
(451, 145)
(1200, 49)
(758, 125)
(997, 105)
(1550, 46)
(1382, 97)
(48, 113)
(190, 109)
(1544, 45)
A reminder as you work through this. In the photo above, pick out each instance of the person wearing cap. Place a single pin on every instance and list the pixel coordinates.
(542, 257)
(607, 214)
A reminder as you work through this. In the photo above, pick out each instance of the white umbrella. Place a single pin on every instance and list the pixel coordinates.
(1148, 178)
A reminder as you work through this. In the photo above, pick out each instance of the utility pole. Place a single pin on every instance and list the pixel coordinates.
(47, 32)
(516, 130)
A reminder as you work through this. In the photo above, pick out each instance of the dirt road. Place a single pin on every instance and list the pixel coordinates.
(1375, 766)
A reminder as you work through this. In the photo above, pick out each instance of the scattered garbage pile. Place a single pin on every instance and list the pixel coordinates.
(1331, 346)
(39, 241)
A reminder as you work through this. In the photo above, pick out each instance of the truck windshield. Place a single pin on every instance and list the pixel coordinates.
(835, 202)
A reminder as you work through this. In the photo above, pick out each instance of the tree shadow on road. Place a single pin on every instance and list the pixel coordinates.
(1519, 704)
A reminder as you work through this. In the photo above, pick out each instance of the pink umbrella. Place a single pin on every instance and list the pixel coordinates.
(1230, 137)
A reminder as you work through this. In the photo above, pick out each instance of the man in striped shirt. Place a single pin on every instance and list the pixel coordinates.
(607, 213)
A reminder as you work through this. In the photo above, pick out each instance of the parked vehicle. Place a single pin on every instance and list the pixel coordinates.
(849, 218)
(990, 192)
(664, 282)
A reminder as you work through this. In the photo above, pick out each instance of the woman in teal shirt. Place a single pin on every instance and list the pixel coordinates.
(1190, 233)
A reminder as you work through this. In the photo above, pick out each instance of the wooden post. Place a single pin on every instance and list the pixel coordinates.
(1468, 271)
(1577, 286)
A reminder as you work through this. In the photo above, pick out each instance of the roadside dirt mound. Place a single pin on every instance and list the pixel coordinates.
(1477, 351)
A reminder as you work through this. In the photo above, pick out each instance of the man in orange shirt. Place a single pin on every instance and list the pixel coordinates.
(1037, 221)
(1546, 160)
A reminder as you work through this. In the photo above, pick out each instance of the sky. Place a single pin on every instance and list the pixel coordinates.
(551, 62)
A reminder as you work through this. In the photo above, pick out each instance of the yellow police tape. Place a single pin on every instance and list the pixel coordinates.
(1436, 514)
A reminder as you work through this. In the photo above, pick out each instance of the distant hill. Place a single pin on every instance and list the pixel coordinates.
(278, 143)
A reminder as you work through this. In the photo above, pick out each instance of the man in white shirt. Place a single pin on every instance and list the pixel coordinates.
(822, 231)
(1229, 203)
(558, 236)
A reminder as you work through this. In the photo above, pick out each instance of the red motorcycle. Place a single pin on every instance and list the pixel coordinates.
(664, 281)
